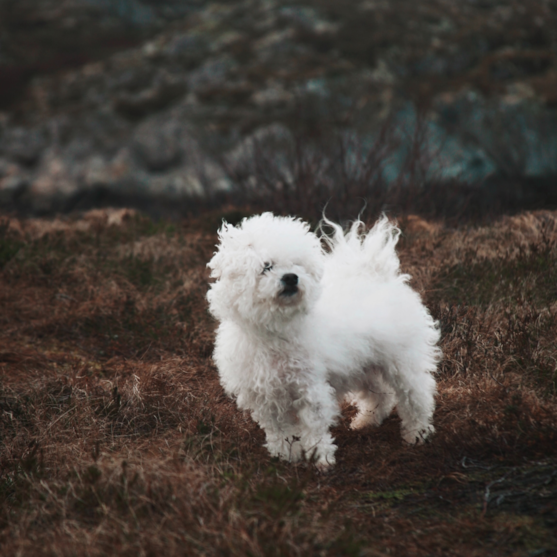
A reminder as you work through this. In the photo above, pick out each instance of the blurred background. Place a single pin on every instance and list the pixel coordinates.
(441, 107)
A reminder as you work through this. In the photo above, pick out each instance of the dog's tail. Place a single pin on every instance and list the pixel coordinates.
(355, 251)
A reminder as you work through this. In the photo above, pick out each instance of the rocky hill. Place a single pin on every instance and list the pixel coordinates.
(107, 102)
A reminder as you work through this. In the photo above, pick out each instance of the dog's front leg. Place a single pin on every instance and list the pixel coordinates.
(282, 431)
(284, 443)
(299, 427)
(317, 411)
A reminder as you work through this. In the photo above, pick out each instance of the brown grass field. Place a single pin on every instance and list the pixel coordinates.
(117, 439)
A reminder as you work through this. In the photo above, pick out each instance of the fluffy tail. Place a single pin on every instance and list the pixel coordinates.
(355, 251)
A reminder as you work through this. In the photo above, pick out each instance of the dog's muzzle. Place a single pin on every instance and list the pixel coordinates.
(289, 282)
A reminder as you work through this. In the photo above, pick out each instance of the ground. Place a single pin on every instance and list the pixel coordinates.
(118, 439)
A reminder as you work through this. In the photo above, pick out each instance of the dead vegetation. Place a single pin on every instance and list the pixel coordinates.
(117, 438)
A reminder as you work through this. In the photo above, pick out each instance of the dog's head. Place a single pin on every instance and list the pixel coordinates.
(267, 271)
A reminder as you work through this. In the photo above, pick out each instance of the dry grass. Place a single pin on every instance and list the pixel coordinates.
(117, 438)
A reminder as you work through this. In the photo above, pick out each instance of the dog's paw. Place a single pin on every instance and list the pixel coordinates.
(325, 465)
(362, 420)
(417, 436)
(287, 448)
(323, 456)
(365, 419)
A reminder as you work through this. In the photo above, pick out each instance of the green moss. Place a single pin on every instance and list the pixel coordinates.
(9, 246)
(142, 225)
(394, 495)
(140, 272)
(8, 250)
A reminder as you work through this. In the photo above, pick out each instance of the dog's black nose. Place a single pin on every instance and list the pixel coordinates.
(290, 279)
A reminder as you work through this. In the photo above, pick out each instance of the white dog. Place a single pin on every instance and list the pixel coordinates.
(302, 328)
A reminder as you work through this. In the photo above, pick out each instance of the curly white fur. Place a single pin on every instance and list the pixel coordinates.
(302, 328)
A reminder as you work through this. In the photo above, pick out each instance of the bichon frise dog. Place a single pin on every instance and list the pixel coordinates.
(303, 327)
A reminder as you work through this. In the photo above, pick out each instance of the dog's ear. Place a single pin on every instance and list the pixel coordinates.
(216, 265)
(228, 250)
(217, 260)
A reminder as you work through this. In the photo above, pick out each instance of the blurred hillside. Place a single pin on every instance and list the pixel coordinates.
(110, 102)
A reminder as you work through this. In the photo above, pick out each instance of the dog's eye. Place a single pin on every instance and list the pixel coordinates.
(267, 267)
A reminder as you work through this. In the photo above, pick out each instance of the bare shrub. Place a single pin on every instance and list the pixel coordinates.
(303, 172)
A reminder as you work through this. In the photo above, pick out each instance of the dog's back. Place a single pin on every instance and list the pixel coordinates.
(356, 252)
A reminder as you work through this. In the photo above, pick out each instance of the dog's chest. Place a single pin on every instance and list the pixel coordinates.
(285, 368)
